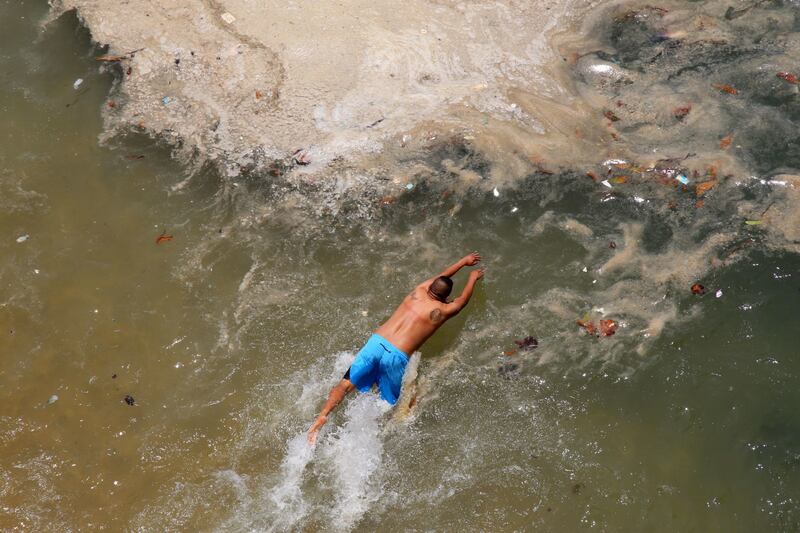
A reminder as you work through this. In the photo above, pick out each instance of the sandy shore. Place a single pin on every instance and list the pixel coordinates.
(242, 83)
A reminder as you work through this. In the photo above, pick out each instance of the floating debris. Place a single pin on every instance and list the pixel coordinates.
(787, 76)
(528, 343)
(701, 188)
(228, 18)
(409, 186)
(725, 88)
(52, 399)
(718, 294)
(77, 83)
(683, 179)
(129, 399)
(163, 237)
(681, 112)
(495, 192)
(23, 238)
(607, 328)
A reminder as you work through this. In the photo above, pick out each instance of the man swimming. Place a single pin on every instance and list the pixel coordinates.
(383, 359)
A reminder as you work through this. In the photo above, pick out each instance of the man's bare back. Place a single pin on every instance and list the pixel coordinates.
(418, 317)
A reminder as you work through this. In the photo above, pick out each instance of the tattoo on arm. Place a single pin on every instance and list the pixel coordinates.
(436, 316)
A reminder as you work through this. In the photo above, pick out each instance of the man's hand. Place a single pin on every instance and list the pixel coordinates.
(313, 433)
(477, 273)
(472, 259)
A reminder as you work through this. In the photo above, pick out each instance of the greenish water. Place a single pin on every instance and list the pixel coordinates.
(229, 335)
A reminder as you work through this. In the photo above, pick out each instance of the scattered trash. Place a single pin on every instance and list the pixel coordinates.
(607, 184)
(166, 100)
(618, 179)
(787, 76)
(228, 18)
(528, 343)
(163, 237)
(495, 192)
(134, 156)
(725, 142)
(364, 313)
(77, 83)
(681, 112)
(177, 61)
(699, 203)
(52, 399)
(592, 175)
(610, 115)
(509, 353)
(113, 376)
(698, 289)
(612, 245)
(23, 238)
(387, 200)
(514, 209)
(701, 188)
(607, 328)
(129, 399)
(128, 72)
(725, 88)
(683, 179)
(753, 222)
(409, 186)
(258, 95)
(718, 294)
(112, 104)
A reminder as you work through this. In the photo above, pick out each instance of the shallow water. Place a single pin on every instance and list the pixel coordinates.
(229, 335)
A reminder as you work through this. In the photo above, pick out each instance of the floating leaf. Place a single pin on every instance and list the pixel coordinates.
(698, 289)
(163, 238)
(528, 343)
(701, 188)
(725, 88)
(608, 328)
(791, 78)
(725, 142)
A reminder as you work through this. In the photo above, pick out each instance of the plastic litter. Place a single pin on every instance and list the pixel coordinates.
(166, 100)
(77, 83)
(129, 399)
(228, 18)
(23, 238)
(718, 294)
(409, 186)
(683, 179)
(607, 184)
(748, 222)
(52, 399)
(495, 192)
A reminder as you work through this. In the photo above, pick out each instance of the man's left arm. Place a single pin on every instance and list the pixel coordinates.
(468, 260)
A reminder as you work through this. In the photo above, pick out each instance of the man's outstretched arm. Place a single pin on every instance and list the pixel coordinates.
(335, 397)
(461, 301)
(468, 260)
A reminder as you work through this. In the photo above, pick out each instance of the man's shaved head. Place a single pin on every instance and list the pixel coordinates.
(441, 287)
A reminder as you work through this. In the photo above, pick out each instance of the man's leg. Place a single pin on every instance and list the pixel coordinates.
(335, 397)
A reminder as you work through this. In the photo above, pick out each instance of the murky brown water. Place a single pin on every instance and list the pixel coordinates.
(228, 335)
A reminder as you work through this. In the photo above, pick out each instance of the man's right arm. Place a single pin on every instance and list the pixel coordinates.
(461, 301)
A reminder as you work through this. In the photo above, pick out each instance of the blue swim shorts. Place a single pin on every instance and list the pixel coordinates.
(379, 361)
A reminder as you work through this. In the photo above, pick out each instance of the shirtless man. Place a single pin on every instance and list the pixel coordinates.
(383, 359)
